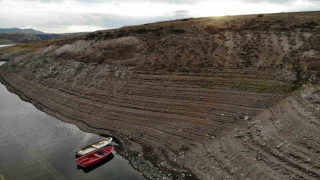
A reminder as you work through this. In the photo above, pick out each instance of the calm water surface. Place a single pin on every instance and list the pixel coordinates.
(34, 145)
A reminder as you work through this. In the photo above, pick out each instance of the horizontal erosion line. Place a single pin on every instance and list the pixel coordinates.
(115, 108)
(96, 96)
(135, 107)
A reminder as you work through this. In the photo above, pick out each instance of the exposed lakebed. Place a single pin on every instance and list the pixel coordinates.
(35, 145)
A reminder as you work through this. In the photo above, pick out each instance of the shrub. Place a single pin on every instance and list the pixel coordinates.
(141, 30)
(91, 36)
(308, 25)
(122, 34)
(260, 15)
(212, 29)
(284, 29)
(178, 31)
(184, 70)
(108, 35)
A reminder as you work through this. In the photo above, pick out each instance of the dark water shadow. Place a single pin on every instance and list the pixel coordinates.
(95, 166)
(115, 142)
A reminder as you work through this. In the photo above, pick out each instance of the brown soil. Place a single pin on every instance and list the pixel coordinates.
(207, 98)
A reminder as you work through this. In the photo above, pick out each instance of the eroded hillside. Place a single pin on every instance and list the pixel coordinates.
(203, 98)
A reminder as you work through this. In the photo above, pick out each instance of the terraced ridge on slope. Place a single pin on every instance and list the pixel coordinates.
(165, 113)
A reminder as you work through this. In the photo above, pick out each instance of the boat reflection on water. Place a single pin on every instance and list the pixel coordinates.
(95, 166)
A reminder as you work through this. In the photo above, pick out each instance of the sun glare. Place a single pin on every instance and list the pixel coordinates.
(85, 15)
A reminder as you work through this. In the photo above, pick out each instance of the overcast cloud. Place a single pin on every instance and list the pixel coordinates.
(58, 16)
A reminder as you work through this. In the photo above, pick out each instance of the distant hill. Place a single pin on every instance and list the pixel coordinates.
(17, 36)
(18, 30)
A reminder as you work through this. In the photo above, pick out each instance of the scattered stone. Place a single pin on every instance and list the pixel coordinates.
(286, 75)
(279, 146)
(246, 118)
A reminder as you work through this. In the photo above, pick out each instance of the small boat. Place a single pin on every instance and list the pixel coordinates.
(94, 146)
(94, 157)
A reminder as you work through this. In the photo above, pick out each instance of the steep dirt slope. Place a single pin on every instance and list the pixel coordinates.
(198, 98)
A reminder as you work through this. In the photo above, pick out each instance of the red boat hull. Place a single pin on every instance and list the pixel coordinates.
(94, 157)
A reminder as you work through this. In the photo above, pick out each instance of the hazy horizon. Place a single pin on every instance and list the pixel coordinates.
(67, 16)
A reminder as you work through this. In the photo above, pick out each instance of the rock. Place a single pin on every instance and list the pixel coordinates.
(286, 75)
(246, 118)
(238, 135)
(312, 78)
(279, 146)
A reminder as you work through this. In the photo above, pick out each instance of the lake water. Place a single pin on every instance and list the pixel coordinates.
(34, 145)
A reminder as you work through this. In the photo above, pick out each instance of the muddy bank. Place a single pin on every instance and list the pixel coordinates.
(199, 98)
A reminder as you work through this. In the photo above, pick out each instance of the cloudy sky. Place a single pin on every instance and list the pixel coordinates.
(59, 16)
